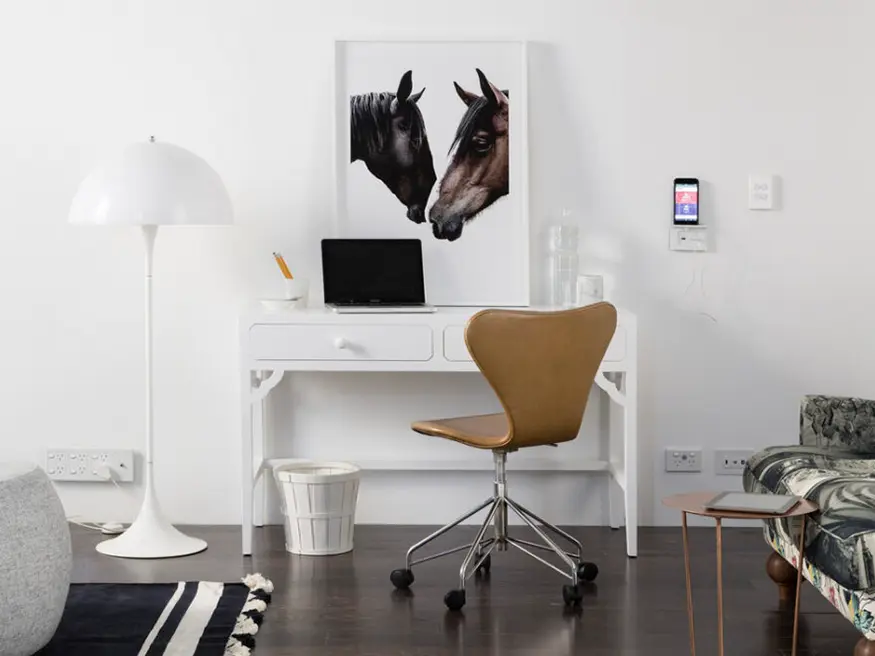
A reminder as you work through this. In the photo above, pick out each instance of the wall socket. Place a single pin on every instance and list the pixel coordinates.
(731, 462)
(88, 465)
(683, 460)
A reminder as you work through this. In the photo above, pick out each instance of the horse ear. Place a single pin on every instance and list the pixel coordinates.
(405, 86)
(466, 96)
(416, 96)
(493, 94)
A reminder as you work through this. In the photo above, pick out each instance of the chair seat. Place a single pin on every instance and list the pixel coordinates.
(480, 431)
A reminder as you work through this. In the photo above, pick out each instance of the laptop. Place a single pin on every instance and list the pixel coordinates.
(373, 276)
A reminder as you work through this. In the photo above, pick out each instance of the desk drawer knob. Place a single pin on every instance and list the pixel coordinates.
(341, 343)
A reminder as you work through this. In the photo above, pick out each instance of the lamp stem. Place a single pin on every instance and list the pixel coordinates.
(151, 535)
(149, 234)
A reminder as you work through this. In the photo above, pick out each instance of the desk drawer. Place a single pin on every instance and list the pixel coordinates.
(340, 342)
(456, 351)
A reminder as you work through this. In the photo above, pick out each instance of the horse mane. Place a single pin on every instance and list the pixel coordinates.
(371, 120)
(468, 124)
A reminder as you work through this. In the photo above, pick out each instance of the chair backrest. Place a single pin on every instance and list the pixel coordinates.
(541, 366)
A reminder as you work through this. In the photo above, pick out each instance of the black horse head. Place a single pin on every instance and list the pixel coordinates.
(387, 133)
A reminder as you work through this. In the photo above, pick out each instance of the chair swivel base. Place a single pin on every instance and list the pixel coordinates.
(478, 557)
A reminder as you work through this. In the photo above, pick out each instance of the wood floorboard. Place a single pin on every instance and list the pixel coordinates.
(345, 605)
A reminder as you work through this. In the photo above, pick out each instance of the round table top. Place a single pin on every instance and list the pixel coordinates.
(694, 503)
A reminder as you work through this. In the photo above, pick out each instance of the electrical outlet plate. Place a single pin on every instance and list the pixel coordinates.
(87, 465)
(688, 238)
(683, 460)
(731, 462)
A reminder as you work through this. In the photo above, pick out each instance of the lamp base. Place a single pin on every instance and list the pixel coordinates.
(151, 536)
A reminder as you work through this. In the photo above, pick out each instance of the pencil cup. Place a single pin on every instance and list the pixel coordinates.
(296, 290)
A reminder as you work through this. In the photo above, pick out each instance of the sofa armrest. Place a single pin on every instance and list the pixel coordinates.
(838, 422)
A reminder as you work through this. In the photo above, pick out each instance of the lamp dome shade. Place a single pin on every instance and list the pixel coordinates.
(152, 183)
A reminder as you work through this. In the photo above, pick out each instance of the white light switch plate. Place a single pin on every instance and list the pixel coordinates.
(731, 461)
(761, 192)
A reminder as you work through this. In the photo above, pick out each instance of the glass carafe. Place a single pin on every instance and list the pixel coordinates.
(564, 265)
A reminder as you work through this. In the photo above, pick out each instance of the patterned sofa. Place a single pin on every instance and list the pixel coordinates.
(834, 466)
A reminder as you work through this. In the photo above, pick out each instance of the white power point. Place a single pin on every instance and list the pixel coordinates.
(90, 465)
(683, 460)
(688, 238)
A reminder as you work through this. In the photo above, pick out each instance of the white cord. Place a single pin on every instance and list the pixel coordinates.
(89, 525)
(105, 472)
(108, 528)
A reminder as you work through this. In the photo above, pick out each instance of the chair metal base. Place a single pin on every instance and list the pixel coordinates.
(481, 547)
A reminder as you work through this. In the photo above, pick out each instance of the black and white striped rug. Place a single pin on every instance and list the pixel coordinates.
(198, 618)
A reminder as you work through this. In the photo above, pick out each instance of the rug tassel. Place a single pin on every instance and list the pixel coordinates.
(234, 648)
(245, 625)
(255, 604)
(258, 582)
(242, 641)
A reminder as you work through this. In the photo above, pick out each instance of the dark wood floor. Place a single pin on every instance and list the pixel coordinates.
(346, 606)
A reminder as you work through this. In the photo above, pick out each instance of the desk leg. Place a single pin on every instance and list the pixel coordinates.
(259, 432)
(799, 564)
(630, 458)
(689, 585)
(246, 457)
(615, 503)
(611, 415)
(719, 587)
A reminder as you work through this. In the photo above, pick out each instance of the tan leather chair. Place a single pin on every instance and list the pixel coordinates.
(541, 366)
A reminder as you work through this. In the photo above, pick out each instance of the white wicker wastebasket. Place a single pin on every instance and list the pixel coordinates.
(318, 501)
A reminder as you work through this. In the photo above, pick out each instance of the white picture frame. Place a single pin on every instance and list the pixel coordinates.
(474, 261)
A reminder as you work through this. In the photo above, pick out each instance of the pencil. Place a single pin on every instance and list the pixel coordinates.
(282, 265)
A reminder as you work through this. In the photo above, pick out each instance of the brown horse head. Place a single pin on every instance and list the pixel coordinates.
(387, 132)
(478, 172)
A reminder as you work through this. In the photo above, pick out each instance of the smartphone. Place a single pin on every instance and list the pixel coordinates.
(686, 201)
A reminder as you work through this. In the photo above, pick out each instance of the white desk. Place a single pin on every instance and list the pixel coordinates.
(320, 340)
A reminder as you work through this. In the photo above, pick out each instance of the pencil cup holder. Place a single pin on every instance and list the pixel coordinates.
(296, 289)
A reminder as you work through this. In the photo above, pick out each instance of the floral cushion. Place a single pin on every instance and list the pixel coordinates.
(840, 539)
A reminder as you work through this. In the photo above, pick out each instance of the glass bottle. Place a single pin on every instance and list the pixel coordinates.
(564, 265)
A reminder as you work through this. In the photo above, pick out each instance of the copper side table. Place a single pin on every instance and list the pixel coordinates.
(694, 503)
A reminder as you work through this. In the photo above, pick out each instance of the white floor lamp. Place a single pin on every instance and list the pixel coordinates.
(152, 184)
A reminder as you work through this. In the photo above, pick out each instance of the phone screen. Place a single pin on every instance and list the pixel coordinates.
(686, 201)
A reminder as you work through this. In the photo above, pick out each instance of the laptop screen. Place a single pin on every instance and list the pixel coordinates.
(368, 271)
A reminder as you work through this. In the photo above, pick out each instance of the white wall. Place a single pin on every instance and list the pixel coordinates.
(624, 96)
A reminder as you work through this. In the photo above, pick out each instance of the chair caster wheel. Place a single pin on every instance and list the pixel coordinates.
(587, 572)
(485, 566)
(401, 578)
(572, 595)
(455, 599)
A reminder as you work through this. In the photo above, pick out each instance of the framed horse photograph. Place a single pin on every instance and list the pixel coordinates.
(431, 144)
